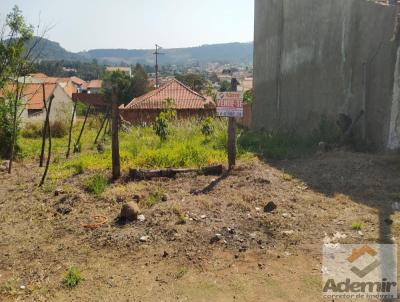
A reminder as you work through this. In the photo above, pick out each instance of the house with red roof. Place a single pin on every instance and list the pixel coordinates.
(171, 95)
(36, 95)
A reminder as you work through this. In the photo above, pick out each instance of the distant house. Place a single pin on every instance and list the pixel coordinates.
(33, 97)
(126, 70)
(80, 84)
(172, 94)
(94, 86)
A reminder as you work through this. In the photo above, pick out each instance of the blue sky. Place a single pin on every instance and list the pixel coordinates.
(87, 24)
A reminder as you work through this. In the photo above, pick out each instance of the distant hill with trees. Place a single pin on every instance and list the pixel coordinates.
(221, 53)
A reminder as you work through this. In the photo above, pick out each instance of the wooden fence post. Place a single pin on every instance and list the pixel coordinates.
(83, 127)
(116, 166)
(70, 129)
(232, 133)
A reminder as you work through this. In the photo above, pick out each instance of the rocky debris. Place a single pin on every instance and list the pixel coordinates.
(262, 180)
(58, 192)
(63, 210)
(203, 216)
(389, 221)
(288, 233)
(141, 218)
(4, 166)
(129, 212)
(216, 238)
(144, 238)
(270, 207)
(137, 198)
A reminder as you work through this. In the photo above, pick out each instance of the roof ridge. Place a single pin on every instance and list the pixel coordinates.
(188, 88)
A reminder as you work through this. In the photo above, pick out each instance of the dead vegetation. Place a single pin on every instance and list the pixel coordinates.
(224, 243)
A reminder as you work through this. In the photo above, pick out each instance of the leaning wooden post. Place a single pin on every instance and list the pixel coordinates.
(101, 127)
(49, 150)
(44, 128)
(116, 166)
(70, 129)
(83, 127)
(232, 134)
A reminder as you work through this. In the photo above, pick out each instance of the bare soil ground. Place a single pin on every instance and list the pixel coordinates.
(257, 256)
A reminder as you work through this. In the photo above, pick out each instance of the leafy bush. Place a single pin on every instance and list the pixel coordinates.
(79, 168)
(72, 278)
(6, 128)
(58, 129)
(161, 125)
(96, 184)
(207, 129)
(32, 129)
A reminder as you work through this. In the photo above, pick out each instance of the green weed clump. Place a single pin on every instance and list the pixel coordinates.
(72, 277)
(96, 184)
(356, 226)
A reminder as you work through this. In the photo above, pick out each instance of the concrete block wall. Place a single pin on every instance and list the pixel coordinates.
(327, 57)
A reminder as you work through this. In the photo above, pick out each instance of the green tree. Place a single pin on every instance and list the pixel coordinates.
(224, 86)
(195, 81)
(248, 96)
(15, 62)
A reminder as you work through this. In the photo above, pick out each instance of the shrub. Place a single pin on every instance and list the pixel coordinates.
(33, 129)
(207, 129)
(356, 226)
(161, 125)
(58, 129)
(6, 128)
(79, 168)
(96, 184)
(72, 277)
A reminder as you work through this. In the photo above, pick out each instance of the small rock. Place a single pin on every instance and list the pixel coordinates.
(164, 197)
(285, 215)
(165, 254)
(58, 192)
(258, 209)
(389, 221)
(271, 206)
(242, 249)
(216, 238)
(129, 211)
(231, 231)
(203, 216)
(141, 218)
(360, 233)
(253, 235)
(22, 287)
(323, 147)
(63, 210)
(286, 254)
(144, 238)
(236, 256)
(287, 233)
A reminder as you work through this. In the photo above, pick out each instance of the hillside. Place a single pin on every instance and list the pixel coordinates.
(223, 53)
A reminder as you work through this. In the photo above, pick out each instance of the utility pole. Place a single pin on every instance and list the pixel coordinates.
(157, 53)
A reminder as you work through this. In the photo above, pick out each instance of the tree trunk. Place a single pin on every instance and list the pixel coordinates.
(70, 129)
(83, 127)
(49, 150)
(44, 130)
(14, 137)
(116, 166)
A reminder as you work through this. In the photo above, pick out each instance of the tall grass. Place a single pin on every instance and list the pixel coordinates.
(186, 146)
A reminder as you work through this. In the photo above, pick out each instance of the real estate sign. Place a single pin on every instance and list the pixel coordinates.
(230, 104)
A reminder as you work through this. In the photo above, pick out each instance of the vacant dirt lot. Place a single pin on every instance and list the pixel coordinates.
(175, 254)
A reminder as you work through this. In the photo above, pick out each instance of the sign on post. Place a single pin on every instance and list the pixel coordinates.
(230, 104)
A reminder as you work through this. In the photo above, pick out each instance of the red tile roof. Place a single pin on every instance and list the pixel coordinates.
(94, 99)
(33, 94)
(183, 98)
(95, 84)
(77, 81)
